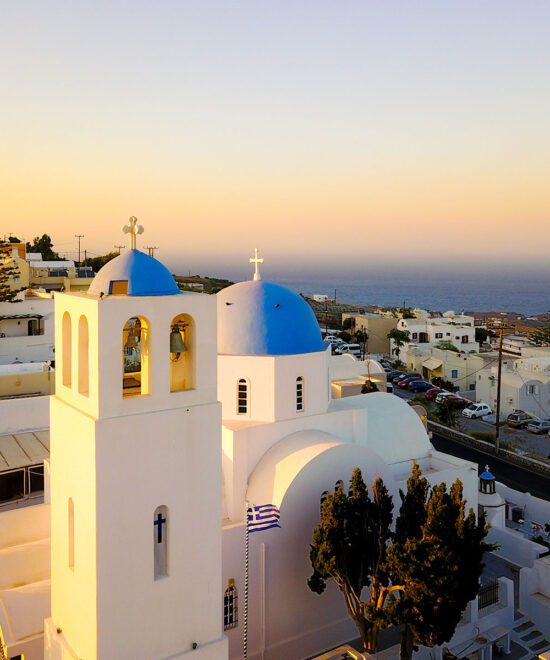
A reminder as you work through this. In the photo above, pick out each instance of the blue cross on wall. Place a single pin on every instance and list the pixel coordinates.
(160, 522)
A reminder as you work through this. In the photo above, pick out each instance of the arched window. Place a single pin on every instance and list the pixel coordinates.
(83, 356)
(339, 484)
(324, 496)
(71, 533)
(67, 357)
(182, 353)
(230, 606)
(299, 394)
(242, 397)
(136, 358)
(160, 542)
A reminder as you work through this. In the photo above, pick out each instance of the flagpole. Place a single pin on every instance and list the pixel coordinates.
(245, 618)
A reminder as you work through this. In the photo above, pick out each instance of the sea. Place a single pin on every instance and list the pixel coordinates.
(490, 292)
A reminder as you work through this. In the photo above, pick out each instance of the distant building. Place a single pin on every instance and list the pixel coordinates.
(525, 385)
(458, 368)
(377, 327)
(320, 297)
(455, 329)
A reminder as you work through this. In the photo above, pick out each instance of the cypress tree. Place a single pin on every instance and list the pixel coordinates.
(8, 270)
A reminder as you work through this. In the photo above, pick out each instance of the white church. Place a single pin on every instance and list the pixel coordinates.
(155, 461)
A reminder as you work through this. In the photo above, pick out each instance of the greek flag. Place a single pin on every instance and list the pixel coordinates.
(263, 517)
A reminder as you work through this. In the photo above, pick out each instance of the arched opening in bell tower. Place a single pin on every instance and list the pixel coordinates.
(83, 356)
(66, 355)
(136, 357)
(182, 353)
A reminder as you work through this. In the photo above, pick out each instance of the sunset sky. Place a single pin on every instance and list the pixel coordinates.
(329, 134)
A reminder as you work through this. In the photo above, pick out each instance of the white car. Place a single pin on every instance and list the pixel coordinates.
(477, 410)
(352, 349)
(334, 340)
(442, 395)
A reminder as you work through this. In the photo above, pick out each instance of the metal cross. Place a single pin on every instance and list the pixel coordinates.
(256, 261)
(159, 522)
(487, 468)
(133, 229)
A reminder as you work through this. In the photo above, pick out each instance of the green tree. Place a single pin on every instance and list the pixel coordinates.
(349, 546)
(444, 384)
(482, 334)
(447, 346)
(8, 270)
(436, 559)
(447, 414)
(362, 338)
(345, 336)
(44, 245)
(406, 313)
(98, 262)
(540, 337)
(400, 338)
(422, 576)
(369, 386)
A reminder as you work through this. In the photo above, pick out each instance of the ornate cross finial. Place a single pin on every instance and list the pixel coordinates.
(487, 468)
(133, 229)
(256, 261)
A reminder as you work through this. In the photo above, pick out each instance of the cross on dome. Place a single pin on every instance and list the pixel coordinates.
(256, 261)
(133, 229)
(487, 468)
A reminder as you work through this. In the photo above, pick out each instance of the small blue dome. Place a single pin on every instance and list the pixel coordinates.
(262, 318)
(487, 475)
(145, 276)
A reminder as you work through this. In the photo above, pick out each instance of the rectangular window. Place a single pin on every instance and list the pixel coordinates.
(439, 335)
(242, 397)
(454, 373)
(119, 287)
(299, 394)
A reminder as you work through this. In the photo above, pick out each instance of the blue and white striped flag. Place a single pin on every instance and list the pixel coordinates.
(263, 517)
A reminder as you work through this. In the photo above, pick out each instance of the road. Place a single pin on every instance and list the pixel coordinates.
(522, 441)
(513, 476)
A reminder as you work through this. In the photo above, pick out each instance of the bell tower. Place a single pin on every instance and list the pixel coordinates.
(135, 470)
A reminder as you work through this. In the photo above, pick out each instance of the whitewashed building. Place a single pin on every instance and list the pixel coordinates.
(456, 329)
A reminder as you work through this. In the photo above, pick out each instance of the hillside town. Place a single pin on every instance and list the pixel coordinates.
(434, 378)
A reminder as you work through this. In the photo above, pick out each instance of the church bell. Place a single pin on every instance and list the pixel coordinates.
(176, 342)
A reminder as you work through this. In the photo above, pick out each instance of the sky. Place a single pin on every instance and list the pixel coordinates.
(334, 136)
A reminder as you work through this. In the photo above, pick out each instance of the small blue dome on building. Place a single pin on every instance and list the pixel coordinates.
(262, 318)
(134, 274)
(486, 475)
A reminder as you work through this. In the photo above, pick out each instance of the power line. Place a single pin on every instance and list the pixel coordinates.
(120, 247)
(151, 249)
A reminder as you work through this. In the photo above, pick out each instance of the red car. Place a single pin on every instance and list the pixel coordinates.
(457, 401)
(431, 394)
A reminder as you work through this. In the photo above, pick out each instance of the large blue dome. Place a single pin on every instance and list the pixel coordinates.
(145, 276)
(262, 318)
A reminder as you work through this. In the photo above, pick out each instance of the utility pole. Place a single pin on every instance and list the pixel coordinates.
(79, 236)
(85, 256)
(120, 247)
(151, 249)
(499, 383)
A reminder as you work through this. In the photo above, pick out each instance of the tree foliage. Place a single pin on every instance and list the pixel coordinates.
(362, 338)
(369, 386)
(400, 338)
(421, 576)
(540, 337)
(447, 346)
(349, 546)
(348, 323)
(447, 414)
(8, 270)
(482, 334)
(44, 245)
(98, 262)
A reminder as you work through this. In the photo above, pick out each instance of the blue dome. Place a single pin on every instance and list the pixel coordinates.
(487, 475)
(145, 276)
(261, 318)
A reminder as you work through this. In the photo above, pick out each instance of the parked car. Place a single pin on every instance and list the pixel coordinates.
(442, 395)
(332, 339)
(405, 382)
(457, 401)
(352, 349)
(385, 364)
(477, 410)
(538, 426)
(408, 374)
(399, 375)
(419, 386)
(431, 394)
(519, 419)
